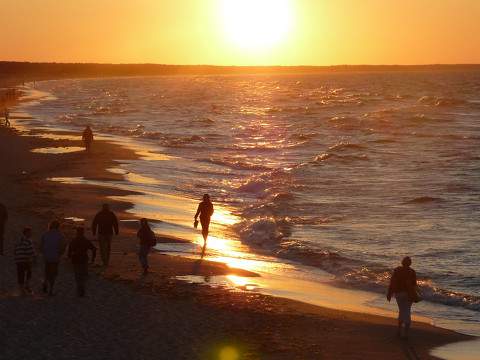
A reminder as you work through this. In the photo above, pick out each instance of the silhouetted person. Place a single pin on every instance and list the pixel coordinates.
(7, 117)
(24, 254)
(205, 210)
(403, 285)
(78, 253)
(87, 137)
(106, 223)
(52, 246)
(3, 221)
(147, 241)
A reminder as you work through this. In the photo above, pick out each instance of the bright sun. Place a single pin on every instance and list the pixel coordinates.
(257, 24)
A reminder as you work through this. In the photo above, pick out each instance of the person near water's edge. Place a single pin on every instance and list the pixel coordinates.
(87, 137)
(6, 113)
(205, 210)
(3, 221)
(52, 247)
(78, 254)
(106, 224)
(147, 241)
(403, 285)
(24, 255)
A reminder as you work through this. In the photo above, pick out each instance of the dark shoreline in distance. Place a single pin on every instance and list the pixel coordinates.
(12, 71)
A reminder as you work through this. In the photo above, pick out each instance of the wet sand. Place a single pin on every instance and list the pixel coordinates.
(128, 316)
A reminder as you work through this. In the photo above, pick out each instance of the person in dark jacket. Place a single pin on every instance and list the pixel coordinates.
(147, 241)
(78, 254)
(3, 221)
(52, 246)
(205, 210)
(106, 224)
(24, 254)
(87, 137)
(403, 284)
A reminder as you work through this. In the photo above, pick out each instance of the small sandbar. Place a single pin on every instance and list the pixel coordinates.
(57, 150)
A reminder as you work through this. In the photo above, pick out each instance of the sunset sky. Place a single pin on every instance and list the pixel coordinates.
(242, 32)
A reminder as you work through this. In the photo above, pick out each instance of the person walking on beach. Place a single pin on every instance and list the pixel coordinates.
(52, 246)
(3, 221)
(205, 210)
(78, 254)
(24, 254)
(105, 223)
(87, 137)
(147, 241)
(7, 117)
(403, 285)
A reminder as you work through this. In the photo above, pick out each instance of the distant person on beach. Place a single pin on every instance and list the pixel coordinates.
(24, 254)
(403, 285)
(7, 117)
(205, 210)
(106, 223)
(52, 246)
(147, 241)
(3, 221)
(87, 137)
(78, 254)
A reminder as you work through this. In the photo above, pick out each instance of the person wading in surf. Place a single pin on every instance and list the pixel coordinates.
(205, 210)
(403, 285)
(87, 137)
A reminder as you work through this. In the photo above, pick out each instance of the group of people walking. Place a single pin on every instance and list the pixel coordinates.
(81, 250)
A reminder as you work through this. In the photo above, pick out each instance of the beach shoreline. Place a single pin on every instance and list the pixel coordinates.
(41, 200)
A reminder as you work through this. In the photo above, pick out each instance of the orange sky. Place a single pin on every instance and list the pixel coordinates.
(317, 32)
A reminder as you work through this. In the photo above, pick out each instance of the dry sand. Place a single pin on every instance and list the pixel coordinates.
(127, 316)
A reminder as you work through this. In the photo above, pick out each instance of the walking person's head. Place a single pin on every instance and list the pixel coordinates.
(106, 207)
(27, 232)
(206, 197)
(54, 225)
(144, 223)
(406, 261)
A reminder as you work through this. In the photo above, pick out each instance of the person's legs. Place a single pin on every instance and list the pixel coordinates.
(205, 225)
(105, 241)
(2, 232)
(21, 274)
(28, 276)
(404, 315)
(81, 271)
(51, 272)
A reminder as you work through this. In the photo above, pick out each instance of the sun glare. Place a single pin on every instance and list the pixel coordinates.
(257, 24)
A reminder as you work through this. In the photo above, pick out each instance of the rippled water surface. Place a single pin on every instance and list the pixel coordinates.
(346, 172)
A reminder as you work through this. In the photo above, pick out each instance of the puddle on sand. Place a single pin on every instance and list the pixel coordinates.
(75, 219)
(58, 150)
(464, 350)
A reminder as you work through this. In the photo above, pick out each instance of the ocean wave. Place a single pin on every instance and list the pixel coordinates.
(425, 200)
(236, 164)
(329, 157)
(345, 146)
(440, 102)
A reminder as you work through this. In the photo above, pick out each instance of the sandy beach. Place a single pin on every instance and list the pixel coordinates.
(128, 316)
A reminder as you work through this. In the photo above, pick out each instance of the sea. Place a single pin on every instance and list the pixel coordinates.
(319, 178)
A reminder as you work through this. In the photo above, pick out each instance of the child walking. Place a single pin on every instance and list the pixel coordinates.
(24, 254)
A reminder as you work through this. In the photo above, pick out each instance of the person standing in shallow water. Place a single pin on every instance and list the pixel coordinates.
(87, 137)
(205, 210)
(147, 241)
(403, 285)
(78, 253)
(106, 223)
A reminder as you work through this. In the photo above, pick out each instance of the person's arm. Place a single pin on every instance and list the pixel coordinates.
(115, 223)
(94, 251)
(94, 225)
(390, 287)
(199, 209)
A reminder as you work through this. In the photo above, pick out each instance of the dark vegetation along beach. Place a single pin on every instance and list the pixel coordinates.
(130, 316)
